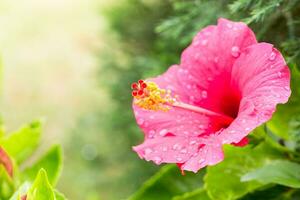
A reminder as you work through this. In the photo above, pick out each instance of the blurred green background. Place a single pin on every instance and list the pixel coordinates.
(71, 63)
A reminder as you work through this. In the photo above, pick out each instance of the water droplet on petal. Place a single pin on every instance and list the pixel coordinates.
(175, 146)
(216, 59)
(204, 94)
(235, 51)
(279, 74)
(247, 129)
(229, 25)
(157, 160)
(183, 151)
(192, 142)
(148, 151)
(140, 121)
(196, 43)
(272, 56)
(179, 159)
(163, 132)
(151, 134)
(201, 161)
(287, 88)
(204, 42)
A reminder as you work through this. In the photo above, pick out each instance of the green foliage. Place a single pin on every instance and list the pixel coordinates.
(168, 182)
(33, 180)
(199, 194)
(22, 143)
(41, 189)
(237, 162)
(51, 162)
(281, 172)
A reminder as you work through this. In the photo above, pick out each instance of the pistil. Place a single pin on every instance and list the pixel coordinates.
(149, 96)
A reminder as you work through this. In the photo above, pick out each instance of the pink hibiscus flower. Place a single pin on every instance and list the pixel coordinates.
(226, 85)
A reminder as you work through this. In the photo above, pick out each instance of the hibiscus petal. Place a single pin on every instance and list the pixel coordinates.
(207, 63)
(263, 78)
(170, 149)
(207, 155)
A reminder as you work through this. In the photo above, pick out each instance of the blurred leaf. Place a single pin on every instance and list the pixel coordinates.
(280, 172)
(222, 181)
(168, 182)
(51, 162)
(199, 194)
(270, 193)
(6, 184)
(22, 143)
(59, 196)
(41, 188)
(21, 191)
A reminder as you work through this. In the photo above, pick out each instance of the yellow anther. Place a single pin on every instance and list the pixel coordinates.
(154, 98)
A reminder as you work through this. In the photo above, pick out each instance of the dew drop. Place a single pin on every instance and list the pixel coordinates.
(216, 59)
(163, 132)
(192, 142)
(148, 151)
(272, 56)
(287, 88)
(179, 159)
(201, 126)
(183, 151)
(204, 42)
(196, 43)
(200, 161)
(235, 51)
(157, 160)
(229, 25)
(175, 146)
(140, 121)
(279, 74)
(204, 94)
(247, 129)
(151, 134)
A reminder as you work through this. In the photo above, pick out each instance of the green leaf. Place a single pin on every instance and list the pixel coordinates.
(6, 184)
(51, 162)
(222, 181)
(281, 172)
(21, 191)
(199, 194)
(168, 182)
(22, 143)
(59, 196)
(41, 188)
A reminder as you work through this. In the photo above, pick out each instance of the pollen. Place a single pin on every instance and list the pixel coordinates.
(149, 96)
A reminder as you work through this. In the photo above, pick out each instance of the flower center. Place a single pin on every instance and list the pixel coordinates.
(149, 96)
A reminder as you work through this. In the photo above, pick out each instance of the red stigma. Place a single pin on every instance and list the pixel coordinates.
(143, 85)
(134, 93)
(134, 86)
(140, 92)
(138, 88)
